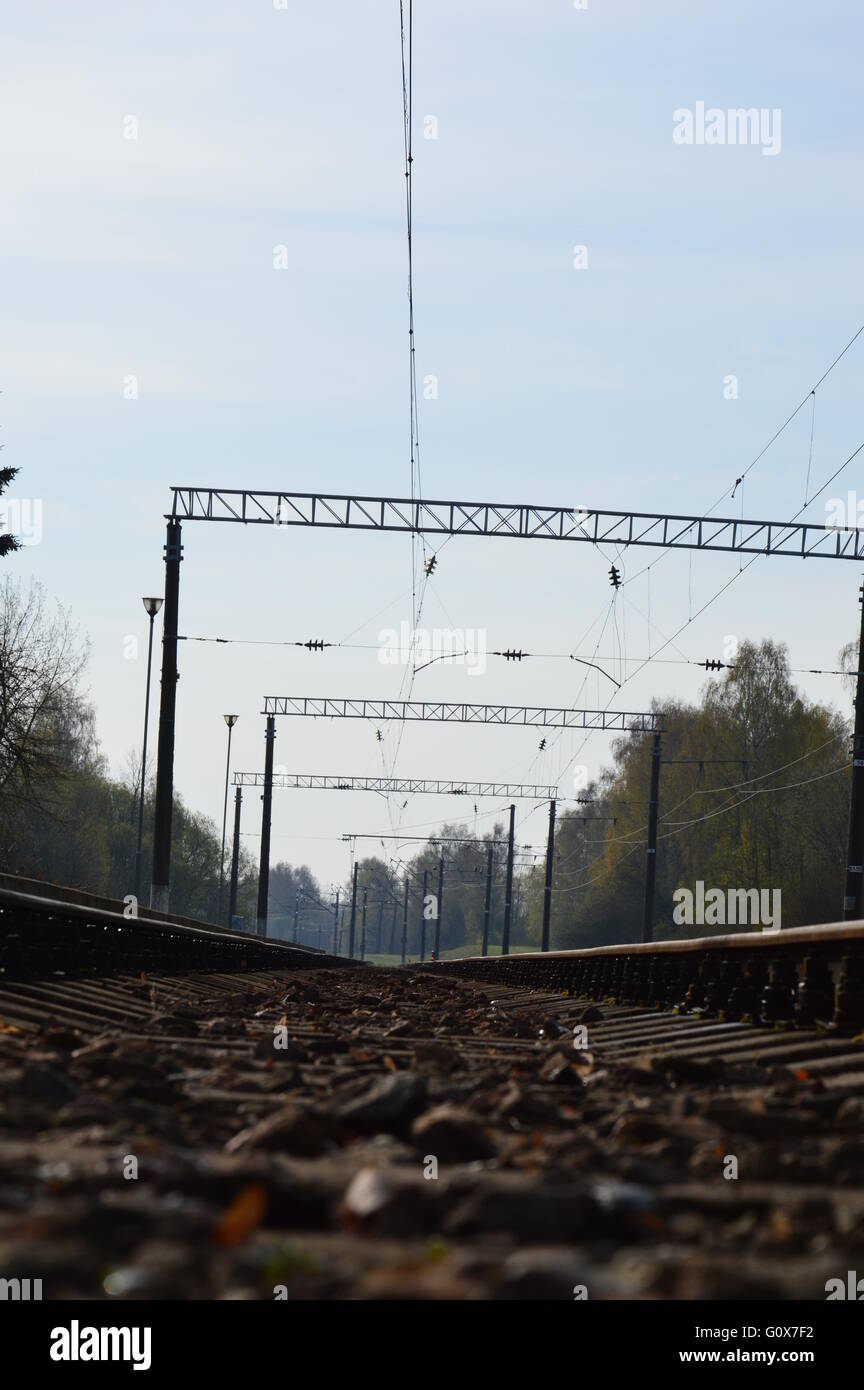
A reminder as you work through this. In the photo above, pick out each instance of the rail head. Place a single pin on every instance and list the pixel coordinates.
(827, 934)
(61, 908)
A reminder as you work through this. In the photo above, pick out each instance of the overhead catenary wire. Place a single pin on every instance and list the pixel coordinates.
(763, 451)
(747, 787)
(407, 83)
(747, 783)
(742, 567)
(418, 567)
(319, 645)
(810, 452)
(729, 582)
(653, 656)
(632, 846)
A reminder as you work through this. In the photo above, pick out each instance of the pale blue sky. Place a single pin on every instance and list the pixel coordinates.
(261, 127)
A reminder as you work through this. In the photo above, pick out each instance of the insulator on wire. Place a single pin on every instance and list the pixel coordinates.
(429, 567)
(315, 644)
(615, 577)
(542, 744)
(712, 665)
(511, 654)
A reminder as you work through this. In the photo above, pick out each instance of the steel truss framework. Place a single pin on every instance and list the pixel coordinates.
(596, 526)
(343, 511)
(313, 781)
(445, 712)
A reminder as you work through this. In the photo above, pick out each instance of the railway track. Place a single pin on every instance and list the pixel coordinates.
(188, 1115)
(794, 998)
(799, 977)
(43, 936)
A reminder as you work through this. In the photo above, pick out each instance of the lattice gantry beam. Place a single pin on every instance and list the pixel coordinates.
(445, 712)
(594, 526)
(312, 781)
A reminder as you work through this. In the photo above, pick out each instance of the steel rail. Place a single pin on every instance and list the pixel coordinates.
(41, 936)
(797, 977)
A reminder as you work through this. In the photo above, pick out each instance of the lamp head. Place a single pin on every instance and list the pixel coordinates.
(230, 719)
(151, 606)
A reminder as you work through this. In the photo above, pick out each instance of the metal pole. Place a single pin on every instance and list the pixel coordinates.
(508, 895)
(137, 888)
(423, 917)
(651, 853)
(405, 922)
(852, 904)
(161, 876)
(233, 719)
(267, 803)
(488, 901)
(380, 919)
(392, 941)
(547, 889)
(363, 926)
(296, 910)
(235, 856)
(439, 904)
(353, 910)
(335, 940)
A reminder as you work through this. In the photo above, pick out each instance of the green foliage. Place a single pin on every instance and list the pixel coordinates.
(775, 817)
(8, 542)
(83, 835)
(297, 887)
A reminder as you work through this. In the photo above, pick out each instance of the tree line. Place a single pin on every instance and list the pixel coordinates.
(754, 795)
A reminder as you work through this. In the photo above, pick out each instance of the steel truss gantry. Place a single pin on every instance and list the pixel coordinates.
(594, 526)
(461, 712)
(508, 716)
(315, 781)
(424, 786)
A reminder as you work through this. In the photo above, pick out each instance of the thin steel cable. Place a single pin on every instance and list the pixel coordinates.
(753, 462)
(810, 454)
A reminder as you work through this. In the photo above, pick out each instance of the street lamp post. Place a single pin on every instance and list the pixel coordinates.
(151, 608)
(230, 720)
